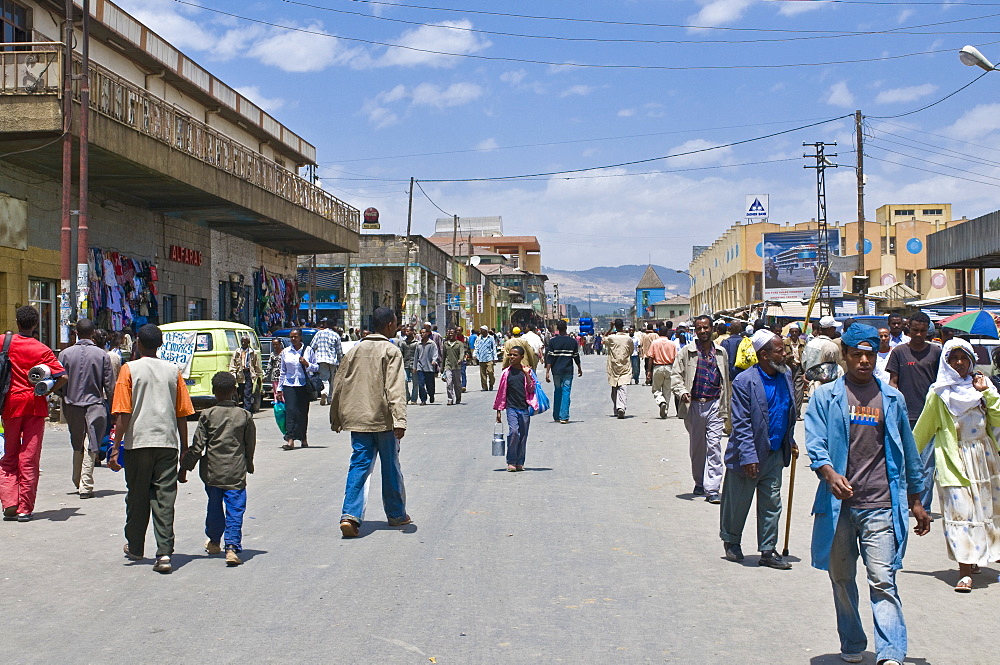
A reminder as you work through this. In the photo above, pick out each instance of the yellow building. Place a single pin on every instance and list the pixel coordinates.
(728, 274)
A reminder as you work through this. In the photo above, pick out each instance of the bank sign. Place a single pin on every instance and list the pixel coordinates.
(178, 348)
(756, 206)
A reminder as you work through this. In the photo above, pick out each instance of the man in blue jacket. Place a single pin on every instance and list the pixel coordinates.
(859, 440)
(760, 447)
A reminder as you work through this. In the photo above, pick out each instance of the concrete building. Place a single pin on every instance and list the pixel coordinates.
(195, 205)
(728, 274)
(676, 309)
(463, 227)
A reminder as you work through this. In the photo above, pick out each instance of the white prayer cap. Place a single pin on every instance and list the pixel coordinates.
(762, 338)
(794, 325)
(828, 322)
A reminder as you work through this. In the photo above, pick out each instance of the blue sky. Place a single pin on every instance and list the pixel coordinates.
(699, 74)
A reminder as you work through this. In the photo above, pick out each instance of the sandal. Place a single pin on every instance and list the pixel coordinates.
(288, 446)
(964, 585)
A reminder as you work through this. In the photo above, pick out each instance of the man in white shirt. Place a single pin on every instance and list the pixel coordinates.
(896, 334)
(532, 338)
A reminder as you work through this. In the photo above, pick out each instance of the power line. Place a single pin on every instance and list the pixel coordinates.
(923, 159)
(938, 150)
(578, 65)
(941, 136)
(917, 168)
(570, 142)
(924, 108)
(904, 30)
(417, 183)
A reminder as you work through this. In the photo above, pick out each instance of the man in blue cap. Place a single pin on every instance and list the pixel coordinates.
(859, 440)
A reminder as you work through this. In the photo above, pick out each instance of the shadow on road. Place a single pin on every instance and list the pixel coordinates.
(987, 577)
(869, 658)
(527, 468)
(60, 515)
(369, 528)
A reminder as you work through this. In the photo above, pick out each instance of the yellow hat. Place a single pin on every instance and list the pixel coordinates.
(516, 331)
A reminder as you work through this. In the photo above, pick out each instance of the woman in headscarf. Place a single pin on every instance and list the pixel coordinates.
(296, 362)
(961, 409)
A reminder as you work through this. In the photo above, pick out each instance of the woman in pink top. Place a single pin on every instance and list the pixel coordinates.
(515, 394)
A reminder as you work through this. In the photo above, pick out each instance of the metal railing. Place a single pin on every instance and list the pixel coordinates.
(40, 72)
(27, 72)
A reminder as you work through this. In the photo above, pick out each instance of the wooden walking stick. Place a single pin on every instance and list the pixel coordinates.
(791, 495)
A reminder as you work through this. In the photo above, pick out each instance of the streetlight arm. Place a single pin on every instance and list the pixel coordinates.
(970, 55)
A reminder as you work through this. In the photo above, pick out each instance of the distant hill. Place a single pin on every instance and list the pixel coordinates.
(609, 287)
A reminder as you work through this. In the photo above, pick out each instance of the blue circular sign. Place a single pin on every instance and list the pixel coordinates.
(868, 246)
(760, 249)
(914, 246)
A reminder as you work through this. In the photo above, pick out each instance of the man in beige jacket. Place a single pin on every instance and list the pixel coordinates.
(619, 347)
(369, 400)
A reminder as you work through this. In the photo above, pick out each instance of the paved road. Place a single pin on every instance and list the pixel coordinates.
(596, 554)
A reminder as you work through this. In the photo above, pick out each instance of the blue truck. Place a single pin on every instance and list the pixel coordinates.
(586, 326)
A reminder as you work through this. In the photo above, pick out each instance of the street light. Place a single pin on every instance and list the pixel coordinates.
(970, 55)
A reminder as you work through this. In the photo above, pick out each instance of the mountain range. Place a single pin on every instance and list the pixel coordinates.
(609, 287)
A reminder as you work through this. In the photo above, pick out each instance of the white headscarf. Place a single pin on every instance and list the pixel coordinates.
(958, 394)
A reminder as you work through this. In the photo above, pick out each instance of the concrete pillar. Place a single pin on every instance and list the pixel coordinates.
(353, 298)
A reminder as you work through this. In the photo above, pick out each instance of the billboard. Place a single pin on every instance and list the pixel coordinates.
(791, 263)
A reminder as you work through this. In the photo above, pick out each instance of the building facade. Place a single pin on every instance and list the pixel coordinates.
(729, 273)
(195, 208)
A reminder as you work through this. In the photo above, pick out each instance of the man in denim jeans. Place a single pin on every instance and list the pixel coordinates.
(561, 352)
(369, 400)
(859, 440)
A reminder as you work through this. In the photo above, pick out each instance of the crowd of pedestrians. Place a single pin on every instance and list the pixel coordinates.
(889, 414)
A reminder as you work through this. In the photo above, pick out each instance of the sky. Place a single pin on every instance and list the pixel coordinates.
(649, 121)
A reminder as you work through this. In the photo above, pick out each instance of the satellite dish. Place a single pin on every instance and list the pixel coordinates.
(475, 260)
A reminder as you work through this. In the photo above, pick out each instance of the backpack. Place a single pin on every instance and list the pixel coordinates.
(5, 368)
(746, 357)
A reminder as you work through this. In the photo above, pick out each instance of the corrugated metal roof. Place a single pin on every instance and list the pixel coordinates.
(974, 244)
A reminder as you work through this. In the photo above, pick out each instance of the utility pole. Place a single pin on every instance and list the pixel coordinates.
(860, 285)
(406, 270)
(82, 246)
(67, 290)
(823, 232)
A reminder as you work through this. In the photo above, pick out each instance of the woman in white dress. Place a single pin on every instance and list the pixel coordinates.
(961, 409)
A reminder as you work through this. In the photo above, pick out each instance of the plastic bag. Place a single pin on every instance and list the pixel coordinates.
(543, 399)
(746, 357)
(279, 416)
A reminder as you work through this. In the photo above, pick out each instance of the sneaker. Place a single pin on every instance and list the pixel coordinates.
(24, 517)
(564, 422)
(663, 410)
(713, 497)
(890, 661)
(733, 551)
(620, 413)
(852, 657)
(232, 558)
(451, 402)
(10, 514)
(130, 556)
(403, 521)
(698, 490)
(349, 528)
(773, 560)
(162, 565)
(86, 495)
(212, 548)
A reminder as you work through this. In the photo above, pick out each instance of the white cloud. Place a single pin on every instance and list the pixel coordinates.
(720, 12)
(294, 51)
(514, 77)
(801, 7)
(440, 38)
(456, 94)
(253, 93)
(578, 90)
(909, 94)
(626, 113)
(976, 123)
(840, 95)
(703, 158)
(487, 145)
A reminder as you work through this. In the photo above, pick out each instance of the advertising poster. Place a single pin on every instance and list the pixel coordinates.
(791, 264)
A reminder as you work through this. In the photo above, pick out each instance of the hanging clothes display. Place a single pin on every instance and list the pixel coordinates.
(122, 291)
(277, 301)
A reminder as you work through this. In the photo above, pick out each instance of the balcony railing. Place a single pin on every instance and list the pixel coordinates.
(39, 72)
(27, 72)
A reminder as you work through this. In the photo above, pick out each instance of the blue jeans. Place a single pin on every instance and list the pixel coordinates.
(563, 382)
(368, 445)
(518, 422)
(635, 368)
(464, 379)
(873, 530)
(229, 521)
(928, 459)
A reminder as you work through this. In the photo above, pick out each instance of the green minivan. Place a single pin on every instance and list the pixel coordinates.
(214, 345)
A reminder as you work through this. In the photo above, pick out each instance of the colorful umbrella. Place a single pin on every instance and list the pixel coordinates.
(979, 322)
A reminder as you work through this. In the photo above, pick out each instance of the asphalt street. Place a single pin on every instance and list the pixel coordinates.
(596, 553)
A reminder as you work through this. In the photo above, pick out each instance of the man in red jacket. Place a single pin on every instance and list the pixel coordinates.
(24, 415)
